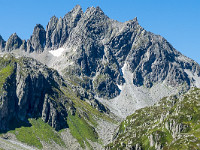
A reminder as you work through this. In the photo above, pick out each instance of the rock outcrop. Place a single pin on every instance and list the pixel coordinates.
(23, 47)
(14, 42)
(58, 30)
(38, 39)
(2, 44)
(31, 91)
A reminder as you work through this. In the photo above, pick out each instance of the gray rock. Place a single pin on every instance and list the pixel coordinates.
(24, 45)
(52, 37)
(29, 47)
(2, 43)
(58, 30)
(29, 91)
(38, 39)
(102, 46)
(14, 42)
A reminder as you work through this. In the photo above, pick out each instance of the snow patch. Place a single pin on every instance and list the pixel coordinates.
(120, 86)
(57, 52)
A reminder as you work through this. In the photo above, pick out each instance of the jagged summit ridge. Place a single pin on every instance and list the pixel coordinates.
(57, 30)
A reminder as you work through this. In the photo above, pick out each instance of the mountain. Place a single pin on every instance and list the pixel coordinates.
(82, 75)
(112, 59)
(172, 123)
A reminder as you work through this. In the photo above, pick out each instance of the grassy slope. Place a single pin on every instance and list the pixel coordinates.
(39, 131)
(155, 121)
(6, 69)
(82, 124)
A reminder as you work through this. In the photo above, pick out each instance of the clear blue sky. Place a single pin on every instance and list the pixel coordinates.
(176, 20)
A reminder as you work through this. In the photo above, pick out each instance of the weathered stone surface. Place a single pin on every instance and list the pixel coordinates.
(38, 39)
(2, 44)
(30, 92)
(24, 45)
(58, 30)
(99, 58)
(99, 47)
(14, 42)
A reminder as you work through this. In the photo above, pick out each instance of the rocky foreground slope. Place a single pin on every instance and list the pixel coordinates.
(172, 123)
(100, 69)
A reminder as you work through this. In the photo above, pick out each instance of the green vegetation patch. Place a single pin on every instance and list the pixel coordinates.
(81, 130)
(172, 123)
(92, 113)
(6, 69)
(39, 131)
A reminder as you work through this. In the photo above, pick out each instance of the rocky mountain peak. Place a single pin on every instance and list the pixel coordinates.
(14, 42)
(38, 39)
(58, 30)
(114, 67)
(52, 23)
(72, 18)
(38, 26)
(94, 11)
(132, 22)
(77, 10)
(100, 49)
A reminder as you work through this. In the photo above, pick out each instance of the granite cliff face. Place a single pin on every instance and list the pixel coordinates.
(29, 91)
(97, 48)
(112, 59)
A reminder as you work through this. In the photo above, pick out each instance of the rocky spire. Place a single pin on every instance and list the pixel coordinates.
(94, 11)
(37, 40)
(14, 42)
(73, 16)
(51, 32)
(58, 30)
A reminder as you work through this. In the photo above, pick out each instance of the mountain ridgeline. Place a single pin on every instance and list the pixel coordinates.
(86, 72)
(102, 46)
